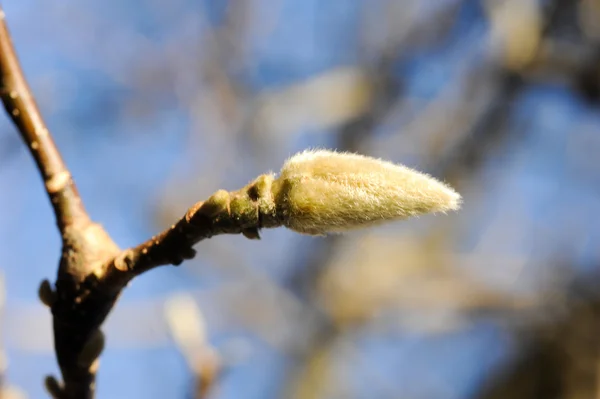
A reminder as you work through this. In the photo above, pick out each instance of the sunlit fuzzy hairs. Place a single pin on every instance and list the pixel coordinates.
(322, 191)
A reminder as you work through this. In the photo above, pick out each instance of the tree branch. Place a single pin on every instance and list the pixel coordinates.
(317, 192)
(238, 212)
(78, 311)
(93, 271)
(22, 109)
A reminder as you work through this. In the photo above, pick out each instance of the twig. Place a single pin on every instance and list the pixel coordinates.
(223, 213)
(93, 271)
(22, 109)
(85, 244)
(316, 192)
(78, 310)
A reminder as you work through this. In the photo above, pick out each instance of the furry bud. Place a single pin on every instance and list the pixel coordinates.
(321, 191)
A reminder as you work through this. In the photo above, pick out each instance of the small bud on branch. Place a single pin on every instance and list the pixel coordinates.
(320, 191)
(317, 192)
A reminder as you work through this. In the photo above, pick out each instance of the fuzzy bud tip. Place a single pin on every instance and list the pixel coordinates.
(321, 191)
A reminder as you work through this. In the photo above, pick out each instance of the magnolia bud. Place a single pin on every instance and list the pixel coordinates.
(321, 191)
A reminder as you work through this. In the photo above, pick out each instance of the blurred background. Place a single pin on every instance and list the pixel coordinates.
(157, 104)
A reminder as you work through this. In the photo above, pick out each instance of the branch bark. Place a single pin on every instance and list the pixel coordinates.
(77, 312)
(22, 109)
(93, 270)
(317, 192)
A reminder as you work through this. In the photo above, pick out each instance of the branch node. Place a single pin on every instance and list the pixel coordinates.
(46, 294)
(215, 205)
(53, 387)
(251, 233)
(184, 253)
(124, 261)
(57, 182)
(92, 349)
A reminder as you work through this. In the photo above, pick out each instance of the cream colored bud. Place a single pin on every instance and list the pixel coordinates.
(321, 191)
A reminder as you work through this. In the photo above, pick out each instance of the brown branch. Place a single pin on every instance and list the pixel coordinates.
(93, 271)
(223, 213)
(77, 310)
(83, 300)
(22, 109)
